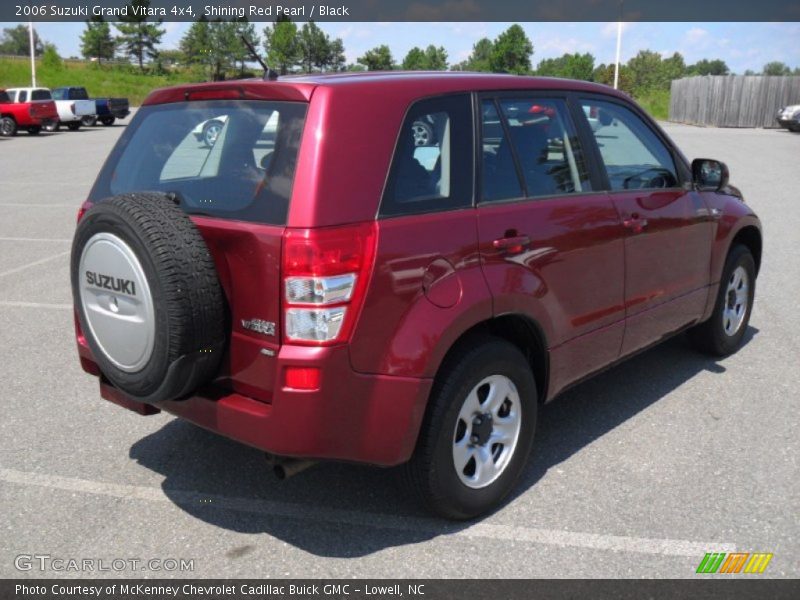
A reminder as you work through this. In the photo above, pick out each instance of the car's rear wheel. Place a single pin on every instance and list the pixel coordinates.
(722, 333)
(8, 127)
(147, 296)
(478, 430)
(89, 121)
(52, 126)
(108, 121)
(74, 126)
(211, 132)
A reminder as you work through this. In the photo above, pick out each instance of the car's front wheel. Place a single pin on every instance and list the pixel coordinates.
(722, 333)
(478, 430)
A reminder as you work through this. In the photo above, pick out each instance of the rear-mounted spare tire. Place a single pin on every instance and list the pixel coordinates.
(147, 296)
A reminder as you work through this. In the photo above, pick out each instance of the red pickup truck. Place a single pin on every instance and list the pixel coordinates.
(31, 116)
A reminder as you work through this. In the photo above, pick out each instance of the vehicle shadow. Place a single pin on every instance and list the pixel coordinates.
(344, 511)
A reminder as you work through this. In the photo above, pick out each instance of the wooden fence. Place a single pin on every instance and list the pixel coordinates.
(732, 100)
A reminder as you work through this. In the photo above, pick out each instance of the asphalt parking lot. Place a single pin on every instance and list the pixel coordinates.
(637, 473)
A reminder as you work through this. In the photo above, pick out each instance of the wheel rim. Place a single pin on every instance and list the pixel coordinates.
(422, 134)
(212, 133)
(487, 431)
(6, 127)
(736, 298)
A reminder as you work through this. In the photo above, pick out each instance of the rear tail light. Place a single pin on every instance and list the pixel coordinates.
(325, 274)
(72, 108)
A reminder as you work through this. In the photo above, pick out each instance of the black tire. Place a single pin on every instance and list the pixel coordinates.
(35, 130)
(711, 336)
(108, 121)
(74, 125)
(8, 127)
(431, 474)
(89, 120)
(189, 310)
(52, 126)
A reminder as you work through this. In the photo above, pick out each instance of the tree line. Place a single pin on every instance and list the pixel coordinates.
(215, 49)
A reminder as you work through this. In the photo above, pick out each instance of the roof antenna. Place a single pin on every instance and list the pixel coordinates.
(269, 74)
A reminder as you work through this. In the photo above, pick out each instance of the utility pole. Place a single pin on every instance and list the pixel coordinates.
(619, 47)
(33, 54)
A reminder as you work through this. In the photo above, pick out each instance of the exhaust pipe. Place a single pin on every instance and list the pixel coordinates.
(288, 467)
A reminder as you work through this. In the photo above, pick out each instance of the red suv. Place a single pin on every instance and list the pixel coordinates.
(401, 267)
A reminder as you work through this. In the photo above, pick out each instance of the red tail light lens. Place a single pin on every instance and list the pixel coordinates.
(325, 276)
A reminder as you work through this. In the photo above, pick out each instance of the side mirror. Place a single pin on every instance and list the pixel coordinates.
(709, 175)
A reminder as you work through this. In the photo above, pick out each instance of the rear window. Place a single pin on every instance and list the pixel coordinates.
(228, 159)
(40, 95)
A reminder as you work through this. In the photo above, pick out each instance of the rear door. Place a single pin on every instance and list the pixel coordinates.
(668, 232)
(550, 241)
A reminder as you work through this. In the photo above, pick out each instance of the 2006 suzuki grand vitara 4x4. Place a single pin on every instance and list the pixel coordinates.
(398, 268)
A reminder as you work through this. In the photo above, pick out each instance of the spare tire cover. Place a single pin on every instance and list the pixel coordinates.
(147, 296)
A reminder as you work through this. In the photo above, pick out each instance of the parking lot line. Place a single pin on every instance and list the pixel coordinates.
(552, 537)
(34, 263)
(28, 239)
(15, 304)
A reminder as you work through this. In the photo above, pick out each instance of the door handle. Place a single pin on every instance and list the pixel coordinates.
(513, 244)
(635, 223)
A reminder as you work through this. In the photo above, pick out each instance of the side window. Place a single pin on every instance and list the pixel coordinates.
(634, 157)
(432, 165)
(543, 143)
(499, 180)
(22, 96)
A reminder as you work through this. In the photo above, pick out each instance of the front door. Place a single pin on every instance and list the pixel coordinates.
(668, 233)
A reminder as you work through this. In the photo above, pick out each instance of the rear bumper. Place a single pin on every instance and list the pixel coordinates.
(787, 123)
(372, 419)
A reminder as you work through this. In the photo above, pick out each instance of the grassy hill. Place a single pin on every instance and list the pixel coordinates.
(101, 80)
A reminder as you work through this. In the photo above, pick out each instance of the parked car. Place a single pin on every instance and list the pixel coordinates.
(345, 293)
(107, 110)
(30, 116)
(789, 117)
(208, 131)
(70, 112)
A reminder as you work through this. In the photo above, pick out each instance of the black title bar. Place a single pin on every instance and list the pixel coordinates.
(410, 10)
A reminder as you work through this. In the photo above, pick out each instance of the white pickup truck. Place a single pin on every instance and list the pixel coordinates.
(70, 112)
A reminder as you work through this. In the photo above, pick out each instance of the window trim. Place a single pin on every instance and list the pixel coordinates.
(682, 171)
(496, 96)
(469, 96)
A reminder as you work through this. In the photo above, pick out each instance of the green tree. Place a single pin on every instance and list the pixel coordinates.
(96, 40)
(480, 59)
(282, 45)
(569, 66)
(337, 60)
(137, 38)
(605, 74)
(433, 58)
(378, 59)
(776, 68)
(648, 72)
(414, 60)
(314, 48)
(511, 52)
(16, 41)
(708, 67)
(196, 43)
